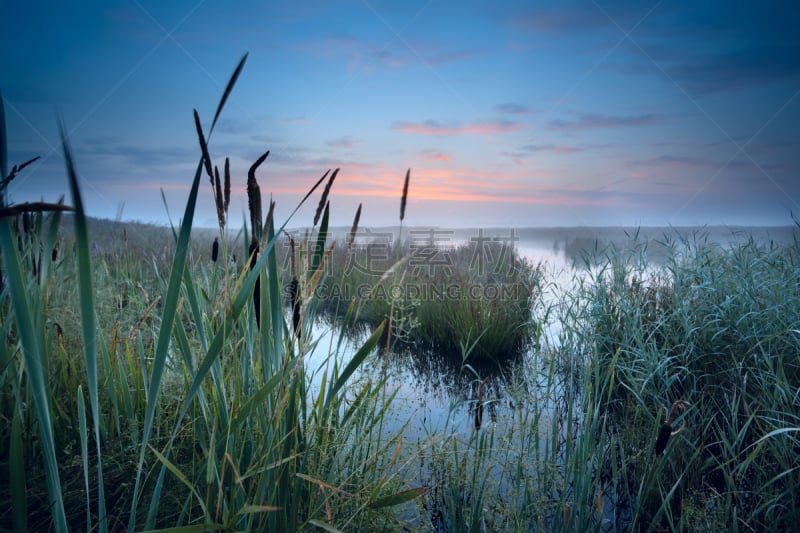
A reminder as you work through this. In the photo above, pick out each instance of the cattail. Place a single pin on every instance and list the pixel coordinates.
(666, 428)
(323, 200)
(663, 437)
(254, 197)
(54, 255)
(203, 145)
(294, 298)
(354, 228)
(405, 196)
(294, 290)
(227, 185)
(257, 289)
(218, 199)
(215, 249)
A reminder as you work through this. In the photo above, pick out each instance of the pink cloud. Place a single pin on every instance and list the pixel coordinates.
(587, 121)
(435, 155)
(342, 142)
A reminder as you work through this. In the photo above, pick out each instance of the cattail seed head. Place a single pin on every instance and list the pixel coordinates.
(663, 438)
(405, 196)
(218, 199)
(215, 249)
(254, 197)
(354, 228)
(227, 185)
(323, 200)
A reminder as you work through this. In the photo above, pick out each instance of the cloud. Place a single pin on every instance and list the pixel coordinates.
(342, 142)
(586, 121)
(549, 147)
(514, 109)
(359, 53)
(482, 127)
(736, 68)
(435, 155)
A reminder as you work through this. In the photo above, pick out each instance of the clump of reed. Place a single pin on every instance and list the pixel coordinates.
(712, 327)
(462, 307)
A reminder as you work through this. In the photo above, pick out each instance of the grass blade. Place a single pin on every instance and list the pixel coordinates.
(397, 498)
(19, 500)
(228, 89)
(88, 319)
(84, 454)
(32, 353)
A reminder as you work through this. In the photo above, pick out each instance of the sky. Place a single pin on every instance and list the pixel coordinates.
(535, 113)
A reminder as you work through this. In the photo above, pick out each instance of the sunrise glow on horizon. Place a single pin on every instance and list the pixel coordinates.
(575, 113)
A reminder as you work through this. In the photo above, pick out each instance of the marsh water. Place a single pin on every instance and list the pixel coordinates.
(434, 391)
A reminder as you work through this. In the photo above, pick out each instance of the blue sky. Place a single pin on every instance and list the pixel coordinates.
(557, 113)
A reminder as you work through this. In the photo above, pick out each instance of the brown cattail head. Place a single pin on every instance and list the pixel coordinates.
(218, 199)
(54, 256)
(254, 197)
(294, 299)
(215, 249)
(227, 185)
(663, 438)
(354, 228)
(323, 200)
(257, 288)
(665, 432)
(405, 196)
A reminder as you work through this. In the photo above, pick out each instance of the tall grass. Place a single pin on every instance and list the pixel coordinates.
(202, 419)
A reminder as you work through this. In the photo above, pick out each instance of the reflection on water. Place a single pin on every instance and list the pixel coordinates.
(436, 391)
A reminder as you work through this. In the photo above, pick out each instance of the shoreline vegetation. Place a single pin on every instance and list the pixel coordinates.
(157, 378)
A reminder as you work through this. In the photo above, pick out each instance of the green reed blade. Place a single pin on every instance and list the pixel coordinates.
(16, 466)
(88, 319)
(228, 89)
(33, 356)
(84, 438)
(169, 312)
